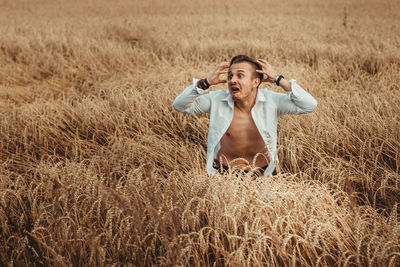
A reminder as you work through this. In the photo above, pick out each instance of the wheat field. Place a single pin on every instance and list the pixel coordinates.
(97, 168)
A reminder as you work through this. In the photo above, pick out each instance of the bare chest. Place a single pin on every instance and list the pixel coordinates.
(243, 132)
(242, 125)
(243, 140)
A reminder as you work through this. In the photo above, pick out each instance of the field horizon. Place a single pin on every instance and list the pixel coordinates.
(97, 168)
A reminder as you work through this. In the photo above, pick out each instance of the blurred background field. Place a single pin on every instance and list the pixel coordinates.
(98, 169)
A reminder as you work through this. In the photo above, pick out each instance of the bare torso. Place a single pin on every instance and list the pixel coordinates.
(242, 140)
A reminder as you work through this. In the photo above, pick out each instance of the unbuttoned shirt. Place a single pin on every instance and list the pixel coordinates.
(268, 107)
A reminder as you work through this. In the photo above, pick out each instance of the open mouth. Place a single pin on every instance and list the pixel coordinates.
(235, 89)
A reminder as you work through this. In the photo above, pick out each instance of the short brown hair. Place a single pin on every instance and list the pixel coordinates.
(244, 58)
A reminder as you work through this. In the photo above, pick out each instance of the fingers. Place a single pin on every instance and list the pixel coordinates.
(222, 72)
(266, 77)
(223, 65)
(262, 61)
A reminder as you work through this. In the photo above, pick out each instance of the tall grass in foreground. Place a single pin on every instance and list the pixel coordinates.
(98, 169)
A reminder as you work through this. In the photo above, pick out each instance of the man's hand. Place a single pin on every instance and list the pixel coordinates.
(214, 78)
(267, 70)
(270, 75)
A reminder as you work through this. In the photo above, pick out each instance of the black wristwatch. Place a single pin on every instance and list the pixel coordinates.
(203, 84)
(278, 78)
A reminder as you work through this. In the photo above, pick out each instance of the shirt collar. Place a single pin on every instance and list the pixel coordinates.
(228, 97)
(260, 97)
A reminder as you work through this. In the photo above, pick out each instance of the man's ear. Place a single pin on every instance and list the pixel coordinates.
(256, 82)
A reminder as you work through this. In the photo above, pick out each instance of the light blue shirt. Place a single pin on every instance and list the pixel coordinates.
(269, 106)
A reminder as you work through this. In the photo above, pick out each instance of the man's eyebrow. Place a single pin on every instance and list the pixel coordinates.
(237, 71)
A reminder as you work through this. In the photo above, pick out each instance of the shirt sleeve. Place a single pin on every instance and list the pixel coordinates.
(193, 100)
(298, 101)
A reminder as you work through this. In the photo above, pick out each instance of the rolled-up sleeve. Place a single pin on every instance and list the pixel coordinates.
(298, 101)
(193, 100)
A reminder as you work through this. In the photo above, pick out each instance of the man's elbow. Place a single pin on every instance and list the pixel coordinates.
(178, 106)
(314, 104)
(175, 104)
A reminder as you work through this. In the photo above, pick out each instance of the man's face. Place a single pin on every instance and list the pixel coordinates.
(242, 80)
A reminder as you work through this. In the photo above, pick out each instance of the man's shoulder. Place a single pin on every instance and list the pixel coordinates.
(219, 94)
(269, 93)
(270, 96)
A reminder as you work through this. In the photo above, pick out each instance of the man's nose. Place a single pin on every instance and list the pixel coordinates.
(233, 80)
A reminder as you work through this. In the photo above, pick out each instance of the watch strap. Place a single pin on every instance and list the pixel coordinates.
(278, 79)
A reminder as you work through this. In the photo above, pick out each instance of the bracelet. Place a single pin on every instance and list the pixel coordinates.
(203, 84)
(278, 79)
(206, 82)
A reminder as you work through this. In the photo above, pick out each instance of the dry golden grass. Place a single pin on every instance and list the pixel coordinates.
(98, 169)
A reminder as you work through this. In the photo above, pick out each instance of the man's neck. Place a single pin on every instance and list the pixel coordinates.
(246, 104)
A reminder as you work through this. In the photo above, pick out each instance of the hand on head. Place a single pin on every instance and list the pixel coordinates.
(214, 77)
(267, 70)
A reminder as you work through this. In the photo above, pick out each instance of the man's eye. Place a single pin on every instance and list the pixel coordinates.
(229, 77)
(240, 75)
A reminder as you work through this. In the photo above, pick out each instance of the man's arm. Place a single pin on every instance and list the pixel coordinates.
(195, 99)
(296, 100)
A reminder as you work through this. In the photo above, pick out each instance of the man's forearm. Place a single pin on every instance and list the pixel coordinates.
(285, 85)
(192, 100)
(296, 101)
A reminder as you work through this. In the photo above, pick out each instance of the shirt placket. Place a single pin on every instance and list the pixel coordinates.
(266, 136)
(224, 129)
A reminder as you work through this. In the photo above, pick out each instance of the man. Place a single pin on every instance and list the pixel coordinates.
(243, 119)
